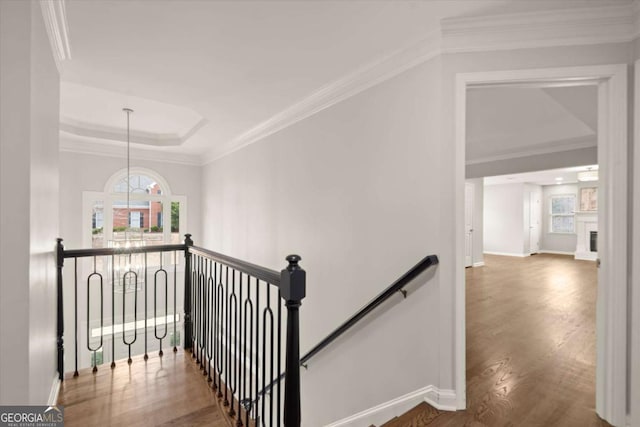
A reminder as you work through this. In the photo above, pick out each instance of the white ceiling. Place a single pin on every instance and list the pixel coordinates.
(202, 75)
(548, 177)
(512, 121)
(232, 64)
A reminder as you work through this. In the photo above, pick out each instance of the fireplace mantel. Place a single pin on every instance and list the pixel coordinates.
(586, 222)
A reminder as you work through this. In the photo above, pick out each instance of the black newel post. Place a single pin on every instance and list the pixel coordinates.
(188, 339)
(60, 321)
(292, 289)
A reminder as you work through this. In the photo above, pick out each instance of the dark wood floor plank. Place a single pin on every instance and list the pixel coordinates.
(531, 346)
(161, 391)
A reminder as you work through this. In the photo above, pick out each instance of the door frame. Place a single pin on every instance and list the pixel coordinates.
(611, 318)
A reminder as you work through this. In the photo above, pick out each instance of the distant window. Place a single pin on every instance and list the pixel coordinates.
(114, 215)
(562, 213)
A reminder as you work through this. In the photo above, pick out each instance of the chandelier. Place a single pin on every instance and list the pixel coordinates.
(128, 267)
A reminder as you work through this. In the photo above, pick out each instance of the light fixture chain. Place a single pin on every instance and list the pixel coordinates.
(126, 230)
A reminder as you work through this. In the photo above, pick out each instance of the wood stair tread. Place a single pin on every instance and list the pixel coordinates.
(421, 415)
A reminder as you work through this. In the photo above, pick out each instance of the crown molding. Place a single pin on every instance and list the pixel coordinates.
(332, 93)
(536, 29)
(71, 144)
(89, 130)
(522, 30)
(55, 22)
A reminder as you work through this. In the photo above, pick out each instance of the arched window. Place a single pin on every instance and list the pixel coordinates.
(152, 214)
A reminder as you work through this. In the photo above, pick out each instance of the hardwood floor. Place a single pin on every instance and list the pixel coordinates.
(531, 346)
(167, 391)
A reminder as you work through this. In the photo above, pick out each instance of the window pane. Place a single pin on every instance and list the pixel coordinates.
(97, 225)
(141, 184)
(563, 204)
(562, 224)
(175, 223)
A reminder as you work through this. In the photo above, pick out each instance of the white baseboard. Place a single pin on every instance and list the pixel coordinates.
(478, 264)
(507, 254)
(542, 251)
(55, 389)
(586, 256)
(444, 400)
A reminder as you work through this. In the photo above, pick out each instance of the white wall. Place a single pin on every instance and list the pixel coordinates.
(29, 104)
(556, 242)
(355, 191)
(504, 219)
(478, 221)
(86, 172)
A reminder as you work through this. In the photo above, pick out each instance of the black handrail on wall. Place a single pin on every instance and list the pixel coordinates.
(397, 286)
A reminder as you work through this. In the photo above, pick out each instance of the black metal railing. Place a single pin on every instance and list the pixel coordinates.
(233, 313)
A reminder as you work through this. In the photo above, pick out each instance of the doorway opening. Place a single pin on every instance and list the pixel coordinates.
(609, 84)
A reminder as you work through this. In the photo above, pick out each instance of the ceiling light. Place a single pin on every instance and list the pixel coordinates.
(589, 175)
(128, 267)
(559, 178)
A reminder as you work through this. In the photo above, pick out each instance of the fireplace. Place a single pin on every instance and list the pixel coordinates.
(586, 235)
(593, 241)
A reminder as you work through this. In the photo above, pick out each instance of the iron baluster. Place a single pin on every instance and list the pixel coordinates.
(146, 356)
(257, 379)
(126, 278)
(75, 312)
(248, 311)
(175, 293)
(113, 313)
(265, 312)
(211, 312)
(278, 358)
(94, 350)
(163, 272)
(196, 319)
(240, 353)
(220, 337)
(188, 344)
(205, 316)
(233, 374)
(214, 328)
(228, 338)
(60, 309)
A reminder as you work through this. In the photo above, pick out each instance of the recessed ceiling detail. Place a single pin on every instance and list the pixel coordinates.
(509, 122)
(97, 113)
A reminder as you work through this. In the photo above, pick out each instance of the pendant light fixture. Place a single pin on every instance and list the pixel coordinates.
(128, 268)
(588, 175)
